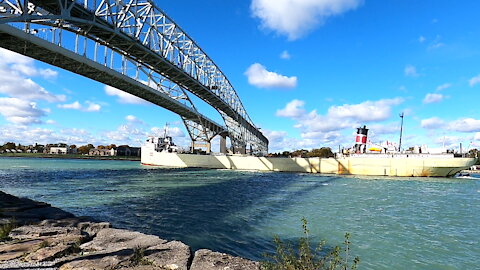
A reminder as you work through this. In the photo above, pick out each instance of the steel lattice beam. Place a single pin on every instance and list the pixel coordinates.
(144, 34)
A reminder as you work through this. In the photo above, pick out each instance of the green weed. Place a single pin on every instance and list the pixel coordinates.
(305, 257)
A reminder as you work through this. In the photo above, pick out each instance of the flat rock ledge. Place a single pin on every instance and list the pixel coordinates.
(47, 238)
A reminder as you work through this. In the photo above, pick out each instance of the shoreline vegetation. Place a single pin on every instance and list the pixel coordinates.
(68, 156)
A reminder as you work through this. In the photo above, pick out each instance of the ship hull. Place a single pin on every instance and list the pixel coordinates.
(385, 165)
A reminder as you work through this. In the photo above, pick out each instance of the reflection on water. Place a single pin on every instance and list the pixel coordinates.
(412, 223)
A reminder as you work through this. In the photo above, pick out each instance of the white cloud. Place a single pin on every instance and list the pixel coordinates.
(367, 111)
(25, 65)
(123, 97)
(421, 39)
(460, 125)
(74, 106)
(171, 131)
(48, 73)
(432, 123)
(285, 55)
(293, 109)
(410, 71)
(475, 80)
(13, 68)
(465, 125)
(20, 112)
(91, 107)
(433, 98)
(296, 18)
(134, 120)
(317, 129)
(17, 86)
(444, 86)
(260, 77)
(51, 122)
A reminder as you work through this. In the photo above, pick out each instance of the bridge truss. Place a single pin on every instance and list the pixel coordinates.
(134, 46)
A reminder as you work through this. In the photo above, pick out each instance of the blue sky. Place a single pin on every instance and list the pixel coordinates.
(308, 73)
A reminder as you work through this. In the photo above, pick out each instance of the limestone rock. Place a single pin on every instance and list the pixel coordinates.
(48, 253)
(171, 255)
(15, 250)
(114, 248)
(118, 239)
(209, 260)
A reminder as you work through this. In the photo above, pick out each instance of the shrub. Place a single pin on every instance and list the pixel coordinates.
(305, 257)
(5, 230)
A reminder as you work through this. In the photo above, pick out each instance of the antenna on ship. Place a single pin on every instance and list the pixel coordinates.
(401, 131)
(165, 130)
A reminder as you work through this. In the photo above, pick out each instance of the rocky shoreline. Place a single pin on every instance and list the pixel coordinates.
(46, 238)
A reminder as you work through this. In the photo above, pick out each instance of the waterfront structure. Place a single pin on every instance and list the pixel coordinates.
(134, 46)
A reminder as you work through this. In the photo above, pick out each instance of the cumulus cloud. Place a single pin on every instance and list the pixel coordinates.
(89, 107)
(444, 86)
(410, 71)
(297, 18)
(475, 80)
(433, 98)
(25, 65)
(460, 125)
(285, 55)
(432, 123)
(293, 109)
(123, 97)
(367, 111)
(317, 129)
(465, 125)
(20, 112)
(13, 69)
(260, 77)
(170, 130)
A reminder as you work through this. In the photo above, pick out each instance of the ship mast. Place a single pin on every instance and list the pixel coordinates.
(401, 130)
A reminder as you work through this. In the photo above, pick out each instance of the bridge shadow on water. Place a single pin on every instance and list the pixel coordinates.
(214, 209)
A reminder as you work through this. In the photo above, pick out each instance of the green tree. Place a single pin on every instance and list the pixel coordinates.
(9, 145)
(84, 149)
(324, 152)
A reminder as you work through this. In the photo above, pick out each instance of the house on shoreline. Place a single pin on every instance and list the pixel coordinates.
(123, 150)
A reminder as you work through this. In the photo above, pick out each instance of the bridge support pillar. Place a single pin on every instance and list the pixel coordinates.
(206, 145)
(223, 144)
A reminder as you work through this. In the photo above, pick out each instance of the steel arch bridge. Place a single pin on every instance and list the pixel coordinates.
(134, 46)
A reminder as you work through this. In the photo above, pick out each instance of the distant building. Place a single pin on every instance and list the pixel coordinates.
(101, 152)
(125, 150)
(58, 150)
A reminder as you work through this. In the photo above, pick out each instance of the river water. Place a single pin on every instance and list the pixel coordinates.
(395, 223)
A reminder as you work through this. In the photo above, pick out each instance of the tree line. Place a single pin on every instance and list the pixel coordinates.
(323, 152)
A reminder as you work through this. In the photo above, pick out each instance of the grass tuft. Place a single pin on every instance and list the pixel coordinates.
(138, 257)
(306, 257)
(5, 230)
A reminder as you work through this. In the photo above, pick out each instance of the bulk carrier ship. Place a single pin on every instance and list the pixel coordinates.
(360, 160)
